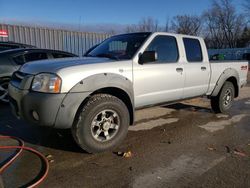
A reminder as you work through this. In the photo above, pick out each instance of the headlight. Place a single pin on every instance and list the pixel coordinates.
(46, 83)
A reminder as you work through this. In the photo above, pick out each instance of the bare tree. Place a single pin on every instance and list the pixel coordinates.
(167, 27)
(186, 24)
(223, 25)
(148, 24)
(245, 38)
(213, 32)
(132, 28)
(145, 25)
(246, 7)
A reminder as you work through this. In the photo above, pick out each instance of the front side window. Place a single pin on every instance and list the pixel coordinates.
(166, 49)
(120, 47)
(193, 50)
(35, 56)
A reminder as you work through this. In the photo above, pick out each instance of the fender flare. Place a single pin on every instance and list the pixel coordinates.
(83, 89)
(226, 74)
(105, 80)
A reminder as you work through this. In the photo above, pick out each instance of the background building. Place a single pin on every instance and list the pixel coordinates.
(70, 41)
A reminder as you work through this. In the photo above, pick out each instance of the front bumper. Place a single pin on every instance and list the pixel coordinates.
(24, 103)
(54, 110)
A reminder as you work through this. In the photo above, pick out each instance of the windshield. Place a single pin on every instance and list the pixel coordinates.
(120, 47)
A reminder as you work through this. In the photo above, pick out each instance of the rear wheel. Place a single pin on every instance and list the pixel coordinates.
(224, 100)
(4, 98)
(102, 123)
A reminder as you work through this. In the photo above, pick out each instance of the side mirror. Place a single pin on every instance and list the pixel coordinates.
(147, 56)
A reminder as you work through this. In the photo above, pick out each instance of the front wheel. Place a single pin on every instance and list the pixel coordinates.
(102, 123)
(224, 100)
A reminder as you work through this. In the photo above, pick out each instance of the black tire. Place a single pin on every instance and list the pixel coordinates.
(83, 131)
(4, 98)
(220, 103)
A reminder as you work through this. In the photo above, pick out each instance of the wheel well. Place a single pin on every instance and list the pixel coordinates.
(121, 94)
(233, 80)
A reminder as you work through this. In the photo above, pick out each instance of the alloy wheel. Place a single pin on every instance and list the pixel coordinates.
(105, 125)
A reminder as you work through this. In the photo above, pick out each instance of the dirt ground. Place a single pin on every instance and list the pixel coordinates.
(181, 145)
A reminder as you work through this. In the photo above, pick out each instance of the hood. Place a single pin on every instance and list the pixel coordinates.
(54, 65)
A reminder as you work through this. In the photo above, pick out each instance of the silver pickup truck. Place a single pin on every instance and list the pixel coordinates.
(96, 96)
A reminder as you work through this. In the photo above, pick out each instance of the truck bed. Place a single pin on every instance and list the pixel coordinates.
(218, 67)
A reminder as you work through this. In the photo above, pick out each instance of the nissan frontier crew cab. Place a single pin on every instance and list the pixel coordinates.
(96, 96)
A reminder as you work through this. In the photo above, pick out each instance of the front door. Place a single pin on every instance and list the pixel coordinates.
(162, 80)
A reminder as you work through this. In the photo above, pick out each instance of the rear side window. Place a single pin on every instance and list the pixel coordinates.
(193, 50)
(60, 55)
(166, 49)
(35, 56)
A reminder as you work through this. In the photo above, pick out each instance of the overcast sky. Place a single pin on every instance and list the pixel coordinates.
(98, 11)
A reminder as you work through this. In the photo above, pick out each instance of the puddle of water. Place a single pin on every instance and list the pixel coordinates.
(219, 125)
(222, 115)
(150, 113)
(152, 124)
(184, 166)
(247, 102)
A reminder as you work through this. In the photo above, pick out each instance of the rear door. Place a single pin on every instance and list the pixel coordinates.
(197, 70)
(162, 80)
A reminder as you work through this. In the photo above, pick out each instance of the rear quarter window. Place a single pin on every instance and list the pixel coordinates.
(193, 50)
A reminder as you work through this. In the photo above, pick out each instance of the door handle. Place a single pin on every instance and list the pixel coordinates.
(203, 68)
(179, 69)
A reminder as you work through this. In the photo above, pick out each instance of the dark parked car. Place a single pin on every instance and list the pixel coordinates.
(11, 60)
(13, 45)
